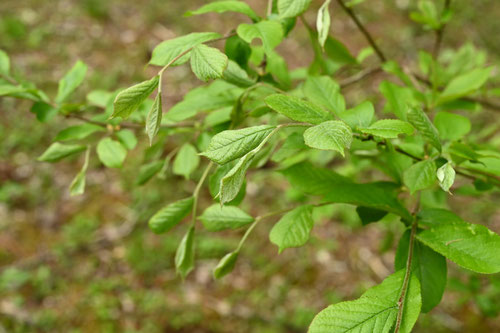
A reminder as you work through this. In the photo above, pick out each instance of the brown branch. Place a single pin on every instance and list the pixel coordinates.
(363, 30)
(359, 76)
(439, 33)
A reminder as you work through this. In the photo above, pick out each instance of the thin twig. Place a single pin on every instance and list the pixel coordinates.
(359, 76)
(128, 125)
(196, 192)
(439, 33)
(363, 30)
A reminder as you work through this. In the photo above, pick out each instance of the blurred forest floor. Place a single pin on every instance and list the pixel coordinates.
(90, 264)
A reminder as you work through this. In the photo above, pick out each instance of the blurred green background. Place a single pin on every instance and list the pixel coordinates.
(90, 264)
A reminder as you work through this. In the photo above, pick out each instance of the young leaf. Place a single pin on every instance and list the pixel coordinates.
(269, 32)
(186, 161)
(4, 63)
(207, 63)
(184, 257)
(230, 184)
(292, 8)
(428, 266)
(226, 265)
(234, 74)
(293, 229)
(169, 216)
(147, 171)
(229, 145)
(58, 151)
(451, 126)
(338, 52)
(471, 246)
(324, 91)
(217, 218)
(375, 311)
(153, 121)
(71, 81)
(127, 138)
(388, 128)
(225, 6)
(421, 122)
(77, 186)
(420, 175)
(297, 109)
(359, 116)
(465, 84)
(78, 132)
(168, 50)
(111, 153)
(446, 176)
(329, 135)
(129, 99)
(323, 23)
(44, 112)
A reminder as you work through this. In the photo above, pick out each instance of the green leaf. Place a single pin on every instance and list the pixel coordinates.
(465, 84)
(329, 135)
(111, 153)
(446, 176)
(375, 311)
(184, 257)
(58, 151)
(225, 6)
(43, 111)
(269, 32)
(4, 63)
(229, 145)
(388, 128)
(217, 218)
(186, 160)
(359, 116)
(323, 23)
(368, 215)
(78, 132)
(234, 74)
(428, 266)
(421, 122)
(238, 50)
(337, 52)
(71, 81)
(214, 184)
(398, 98)
(324, 91)
(292, 8)
(131, 98)
(293, 229)
(297, 109)
(420, 176)
(147, 171)
(451, 126)
(471, 246)
(153, 121)
(230, 184)
(333, 187)
(170, 215)
(127, 138)
(168, 50)
(226, 265)
(77, 186)
(207, 63)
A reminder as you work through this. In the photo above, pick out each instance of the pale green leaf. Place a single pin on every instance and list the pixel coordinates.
(398, 98)
(420, 176)
(421, 122)
(71, 81)
(293, 229)
(78, 132)
(168, 50)
(329, 135)
(131, 98)
(207, 63)
(359, 116)
(226, 265)
(323, 23)
(58, 151)
(388, 128)
(297, 109)
(446, 176)
(186, 160)
(292, 8)
(184, 256)
(217, 218)
(170, 215)
(325, 92)
(465, 84)
(225, 6)
(147, 171)
(451, 126)
(269, 32)
(127, 138)
(229, 145)
(77, 186)
(153, 121)
(43, 111)
(4, 63)
(111, 153)
(471, 246)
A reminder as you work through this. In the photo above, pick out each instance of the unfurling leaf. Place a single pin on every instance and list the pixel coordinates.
(226, 265)
(323, 23)
(129, 99)
(169, 216)
(329, 135)
(58, 151)
(111, 153)
(293, 229)
(446, 176)
(153, 121)
(217, 218)
(184, 256)
(207, 63)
